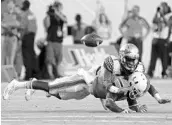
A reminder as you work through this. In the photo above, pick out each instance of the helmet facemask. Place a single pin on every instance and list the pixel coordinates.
(139, 85)
(135, 93)
(129, 57)
(130, 62)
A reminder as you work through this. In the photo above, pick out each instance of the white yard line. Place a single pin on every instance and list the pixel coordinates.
(102, 121)
(91, 121)
(84, 116)
(17, 120)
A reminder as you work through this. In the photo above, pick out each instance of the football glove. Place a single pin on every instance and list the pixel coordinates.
(139, 108)
(164, 101)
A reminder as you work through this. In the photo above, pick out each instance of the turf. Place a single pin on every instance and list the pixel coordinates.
(41, 110)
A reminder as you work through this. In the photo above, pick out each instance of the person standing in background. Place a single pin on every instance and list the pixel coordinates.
(29, 29)
(121, 40)
(169, 40)
(78, 29)
(132, 29)
(160, 39)
(101, 23)
(53, 23)
(9, 27)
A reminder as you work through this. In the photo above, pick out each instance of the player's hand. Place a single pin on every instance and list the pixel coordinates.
(142, 108)
(164, 101)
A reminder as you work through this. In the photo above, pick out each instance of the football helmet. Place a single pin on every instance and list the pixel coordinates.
(139, 83)
(129, 57)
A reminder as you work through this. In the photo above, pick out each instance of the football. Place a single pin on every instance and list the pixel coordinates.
(91, 40)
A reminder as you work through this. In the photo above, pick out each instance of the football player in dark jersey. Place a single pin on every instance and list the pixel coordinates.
(109, 81)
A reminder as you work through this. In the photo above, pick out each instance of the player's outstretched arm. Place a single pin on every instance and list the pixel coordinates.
(108, 74)
(112, 106)
(153, 92)
(133, 105)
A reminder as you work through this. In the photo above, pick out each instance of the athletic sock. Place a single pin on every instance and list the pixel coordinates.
(33, 84)
(40, 85)
(22, 85)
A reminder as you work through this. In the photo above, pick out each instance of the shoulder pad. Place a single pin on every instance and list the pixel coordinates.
(112, 64)
(108, 63)
(140, 67)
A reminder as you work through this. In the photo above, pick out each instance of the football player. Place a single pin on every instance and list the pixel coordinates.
(107, 81)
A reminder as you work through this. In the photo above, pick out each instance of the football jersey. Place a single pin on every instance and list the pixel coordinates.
(111, 73)
(112, 64)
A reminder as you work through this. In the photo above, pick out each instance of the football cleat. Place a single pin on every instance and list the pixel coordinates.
(29, 92)
(8, 91)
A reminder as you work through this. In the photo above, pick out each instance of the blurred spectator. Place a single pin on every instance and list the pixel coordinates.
(29, 28)
(121, 40)
(9, 34)
(101, 23)
(53, 23)
(89, 30)
(169, 39)
(132, 28)
(11, 38)
(78, 29)
(18, 62)
(41, 43)
(160, 40)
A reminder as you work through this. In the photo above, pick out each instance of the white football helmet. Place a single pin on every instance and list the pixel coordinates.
(129, 56)
(140, 84)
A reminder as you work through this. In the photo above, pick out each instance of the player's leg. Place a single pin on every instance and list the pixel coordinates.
(60, 85)
(81, 91)
(54, 87)
(32, 84)
(78, 91)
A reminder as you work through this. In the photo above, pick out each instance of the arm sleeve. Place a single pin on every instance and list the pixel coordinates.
(152, 91)
(132, 104)
(107, 72)
(107, 79)
(108, 64)
(110, 103)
